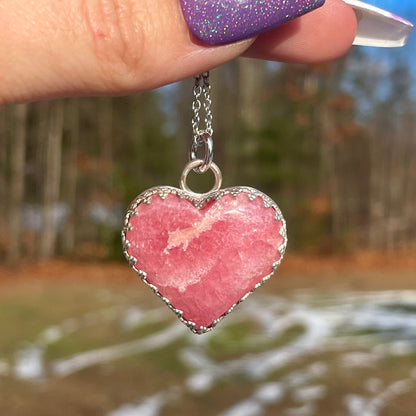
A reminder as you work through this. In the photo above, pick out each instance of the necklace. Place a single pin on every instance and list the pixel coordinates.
(203, 253)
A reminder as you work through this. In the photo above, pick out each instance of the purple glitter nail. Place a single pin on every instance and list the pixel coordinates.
(218, 22)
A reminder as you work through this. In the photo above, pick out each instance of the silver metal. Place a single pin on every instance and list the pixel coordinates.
(195, 164)
(199, 201)
(202, 88)
(202, 136)
(204, 141)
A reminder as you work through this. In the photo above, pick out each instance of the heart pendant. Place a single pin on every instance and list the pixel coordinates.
(203, 253)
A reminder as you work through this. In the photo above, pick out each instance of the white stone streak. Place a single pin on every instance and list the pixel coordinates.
(183, 237)
(203, 255)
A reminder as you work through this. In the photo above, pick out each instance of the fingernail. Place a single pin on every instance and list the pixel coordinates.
(378, 27)
(218, 22)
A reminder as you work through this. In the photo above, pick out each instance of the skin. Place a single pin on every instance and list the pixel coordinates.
(59, 48)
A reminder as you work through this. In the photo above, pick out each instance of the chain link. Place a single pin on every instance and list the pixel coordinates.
(202, 91)
(202, 137)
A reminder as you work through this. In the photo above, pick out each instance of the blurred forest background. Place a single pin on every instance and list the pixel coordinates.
(333, 334)
(333, 144)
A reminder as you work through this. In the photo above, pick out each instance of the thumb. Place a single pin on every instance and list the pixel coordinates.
(52, 48)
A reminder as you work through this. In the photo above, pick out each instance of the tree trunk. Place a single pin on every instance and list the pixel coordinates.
(4, 143)
(250, 79)
(52, 181)
(16, 183)
(105, 136)
(329, 174)
(409, 199)
(70, 175)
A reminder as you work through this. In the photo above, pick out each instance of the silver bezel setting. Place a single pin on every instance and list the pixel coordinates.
(199, 200)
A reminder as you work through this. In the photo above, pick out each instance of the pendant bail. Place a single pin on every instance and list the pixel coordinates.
(195, 164)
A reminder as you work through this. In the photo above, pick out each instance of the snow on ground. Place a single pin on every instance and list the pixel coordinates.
(382, 322)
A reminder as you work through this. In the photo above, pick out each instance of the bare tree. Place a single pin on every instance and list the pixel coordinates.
(52, 180)
(70, 174)
(4, 142)
(105, 133)
(250, 80)
(16, 182)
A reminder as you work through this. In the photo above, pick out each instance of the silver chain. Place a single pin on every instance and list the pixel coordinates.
(202, 137)
(202, 88)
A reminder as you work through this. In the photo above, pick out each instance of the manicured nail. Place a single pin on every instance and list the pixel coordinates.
(218, 22)
(378, 27)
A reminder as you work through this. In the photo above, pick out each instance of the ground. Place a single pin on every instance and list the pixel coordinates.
(330, 336)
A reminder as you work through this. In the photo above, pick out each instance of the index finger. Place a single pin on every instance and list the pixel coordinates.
(54, 49)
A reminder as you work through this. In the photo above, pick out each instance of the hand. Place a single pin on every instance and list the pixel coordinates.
(51, 48)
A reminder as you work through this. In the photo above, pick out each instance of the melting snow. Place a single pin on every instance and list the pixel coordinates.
(333, 324)
(29, 363)
(309, 393)
(4, 368)
(148, 407)
(66, 366)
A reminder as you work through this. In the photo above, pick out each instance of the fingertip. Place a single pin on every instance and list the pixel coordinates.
(342, 27)
(101, 48)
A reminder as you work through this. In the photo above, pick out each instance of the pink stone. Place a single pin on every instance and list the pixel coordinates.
(204, 260)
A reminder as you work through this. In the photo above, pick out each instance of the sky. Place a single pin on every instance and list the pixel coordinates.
(382, 60)
(406, 9)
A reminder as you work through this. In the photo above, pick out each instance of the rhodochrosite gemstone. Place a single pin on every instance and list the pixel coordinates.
(203, 259)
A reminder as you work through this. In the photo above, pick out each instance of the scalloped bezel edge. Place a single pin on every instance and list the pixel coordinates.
(199, 200)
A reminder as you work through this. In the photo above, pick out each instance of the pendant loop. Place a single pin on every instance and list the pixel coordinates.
(194, 164)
